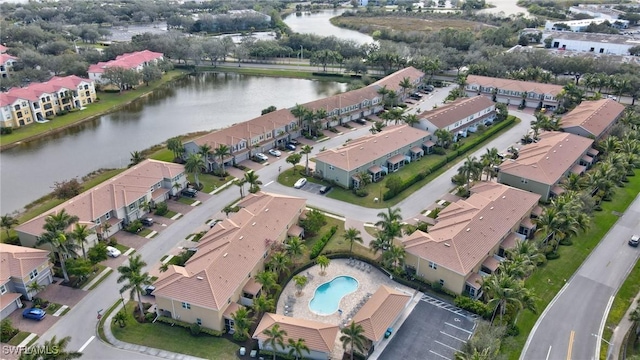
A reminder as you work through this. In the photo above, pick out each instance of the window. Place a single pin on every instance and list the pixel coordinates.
(19, 114)
(86, 93)
(3, 289)
(107, 216)
(86, 87)
(199, 321)
(186, 306)
(524, 181)
(433, 265)
(97, 221)
(331, 167)
(33, 274)
(441, 282)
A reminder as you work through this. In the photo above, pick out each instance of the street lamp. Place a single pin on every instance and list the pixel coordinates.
(601, 339)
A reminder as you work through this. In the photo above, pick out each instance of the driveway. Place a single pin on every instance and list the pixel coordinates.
(434, 331)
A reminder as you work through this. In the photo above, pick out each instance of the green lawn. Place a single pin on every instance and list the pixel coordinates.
(170, 214)
(52, 308)
(209, 182)
(122, 248)
(174, 339)
(144, 232)
(547, 280)
(18, 338)
(337, 243)
(108, 102)
(99, 269)
(186, 200)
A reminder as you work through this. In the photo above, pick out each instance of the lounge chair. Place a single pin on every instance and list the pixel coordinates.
(368, 268)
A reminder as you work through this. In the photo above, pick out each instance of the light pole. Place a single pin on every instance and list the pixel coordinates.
(601, 339)
(301, 55)
(609, 350)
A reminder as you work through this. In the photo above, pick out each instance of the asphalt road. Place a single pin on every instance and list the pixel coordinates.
(571, 326)
(80, 322)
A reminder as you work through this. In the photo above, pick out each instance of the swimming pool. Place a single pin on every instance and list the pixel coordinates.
(326, 299)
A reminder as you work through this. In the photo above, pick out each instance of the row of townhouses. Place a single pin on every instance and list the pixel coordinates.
(131, 61)
(514, 92)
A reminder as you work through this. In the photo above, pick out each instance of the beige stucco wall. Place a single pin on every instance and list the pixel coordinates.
(533, 186)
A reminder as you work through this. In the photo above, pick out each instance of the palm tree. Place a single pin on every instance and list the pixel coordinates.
(175, 145)
(411, 119)
(275, 338)
(389, 220)
(384, 92)
(205, 151)
(295, 247)
(405, 84)
(135, 279)
(380, 243)
(323, 262)
(251, 178)
(80, 233)
(280, 262)
(136, 158)
(306, 150)
(504, 291)
(263, 304)
(176, 185)
(300, 281)
(573, 182)
(34, 287)
(444, 137)
(240, 183)
(476, 355)
(268, 280)
(296, 347)
(353, 336)
(242, 324)
(121, 318)
(7, 222)
(529, 249)
(470, 169)
(394, 257)
(196, 165)
(352, 235)
(58, 239)
(299, 111)
(37, 352)
(220, 152)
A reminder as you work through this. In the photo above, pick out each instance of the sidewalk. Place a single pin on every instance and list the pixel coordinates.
(621, 330)
(138, 348)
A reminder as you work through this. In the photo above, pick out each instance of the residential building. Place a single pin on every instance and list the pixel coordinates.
(319, 337)
(6, 63)
(392, 82)
(470, 237)
(110, 206)
(592, 119)
(609, 44)
(380, 312)
(375, 155)
(348, 106)
(40, 101)
(220, 277)
(460, 116)
(514, 92)
(582, 25)
(20, 267)
(541, 166)
(133, 61)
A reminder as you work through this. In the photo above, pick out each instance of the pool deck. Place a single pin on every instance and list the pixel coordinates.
(368, 283)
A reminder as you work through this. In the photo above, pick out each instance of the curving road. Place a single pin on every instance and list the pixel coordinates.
(80, 323)
(571, 326)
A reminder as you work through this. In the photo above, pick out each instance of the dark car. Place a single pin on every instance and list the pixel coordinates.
(148, 289)
(189, 192)
(634, 241)
(34, 313)
(415, 96)
(290, 146)
(325, 189)
(147, 221)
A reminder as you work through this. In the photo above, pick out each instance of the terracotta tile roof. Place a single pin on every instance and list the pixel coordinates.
(343, 99)
(548, 159)
(514, 85)
(34, 91)
(252, 287)
(467, 230)
(6, 57)
(593, 116)
(379, 312)
(231, 309)
(113, 194)
(366, 149)
(19, 261)
(317, 336)
(229, 251)
(3, 49)
(392, 81)
(537, 211)
(459, 109)
(491, 263)
(475, 280)
(8, 299)
(510, 241)
(127, 61)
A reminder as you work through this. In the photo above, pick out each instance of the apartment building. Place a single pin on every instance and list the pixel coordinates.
(6, 62)
(133, 61)
(460, 117)
(592, 119)
(514, 92)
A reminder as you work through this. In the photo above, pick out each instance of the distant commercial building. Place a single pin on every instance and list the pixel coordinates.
(581, 25)
(591, 42)
(606, 12)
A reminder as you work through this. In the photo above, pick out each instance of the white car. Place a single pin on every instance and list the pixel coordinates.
(300, 183)
(113, 252)
(275, 152)
(261, 157)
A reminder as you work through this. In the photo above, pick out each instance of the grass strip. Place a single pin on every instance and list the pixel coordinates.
(18, 338)
(101, 279)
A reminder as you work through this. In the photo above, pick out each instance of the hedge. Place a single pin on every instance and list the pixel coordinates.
(474, 306)
(183, 324)
(319, 246)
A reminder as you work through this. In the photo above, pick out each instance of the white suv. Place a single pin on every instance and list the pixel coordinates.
(300, 183)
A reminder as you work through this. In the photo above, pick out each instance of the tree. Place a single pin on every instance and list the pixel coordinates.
(470, 170)
(175, 145)
(120, 77)
(252, 179)
(306, 150)
(444, 137)
(205, 151)
(275, 338)
(405, 84)
(323, 262)
(504, 291)
(7, 222)
(44, 352)
(280, 263)
(220, 152)
(296, 347)
(121, 318)
(67, 189)
(268, 110)
(151, 73)
(394, 257)
(268, 280)
(353, 337)
(135, 279)
(294, 159)
(352, 235)
(195, 165)
(411, 119)
(295, 247)
(242, 324)
(55, 235)
(97, 254)
(240, 183)
(314, 221)
(79, 268)
(263, 304)
(390, 222)
(80, 233)
(34, 287)
(136, 158)
(300, 281)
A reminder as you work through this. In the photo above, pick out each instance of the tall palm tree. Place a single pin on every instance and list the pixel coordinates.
(352, 235)
(384, 92)
(57, 237)
(300, 281)
(299, 111)
(528, 249)
(323, 262)
(380, 243)
(280, 263)
(405, 84)
(205, 151)
(306, 150)
(240, 183)
(135, 279)
(268, 280)
(220, 152)
(242, 324)
(389, 220)
(80, 233)
(394, 257)
(275, 338)
(444, 137)
(136, 158)
(573, 182)
(37, 352)
(175, 145)
(263, 304)
(296, 347)
(470, 169)
(195, 165)
(7, 222)
(411, 119)
(353, 337)
(295, 247)
(504, 291)
(251, 178)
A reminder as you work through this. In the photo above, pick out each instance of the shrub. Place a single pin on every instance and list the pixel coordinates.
(552, 256)
(8, 331)
(162, 209)
(319, 246)
(148, 317)
(186, 325)
(195, 329)
(439, 151)
(513, 330)
(113, 241)
(6, 130)
(360, 192)
(474, 306)
(134, 227)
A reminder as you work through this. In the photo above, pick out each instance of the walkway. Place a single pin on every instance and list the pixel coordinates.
(621, 330)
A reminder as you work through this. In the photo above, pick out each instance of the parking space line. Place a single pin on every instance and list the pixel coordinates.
(445, 345)
(269, 183)
(451, 336)
(459, 328)
(435, 353)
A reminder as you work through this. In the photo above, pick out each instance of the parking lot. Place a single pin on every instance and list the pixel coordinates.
(312, 188)
(434, 331)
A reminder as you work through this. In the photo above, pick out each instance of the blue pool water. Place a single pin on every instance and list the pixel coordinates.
(326, 299)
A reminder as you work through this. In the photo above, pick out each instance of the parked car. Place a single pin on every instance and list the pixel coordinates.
(429, 88)
(34, 313)
(388, 333)
(213, 223)
(635, 239)
(290, 146)
(300, 183)
(325, 189)
(415, 96)
(360, 121)
(275, 152)
(147, 221)
(113, 252)
(261, 157)
(294, 142)
(148, 289)
(189, 192)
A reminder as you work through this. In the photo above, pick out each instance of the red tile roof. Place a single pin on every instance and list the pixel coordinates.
(18, 261)
(34, 91)
(127, 61)
(460, 109)
(593, 116)
(6, 57)
(317, 336)
(515, 85)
